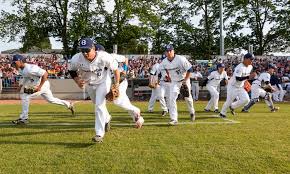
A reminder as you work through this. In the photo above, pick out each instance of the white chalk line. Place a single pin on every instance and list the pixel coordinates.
(227, 121)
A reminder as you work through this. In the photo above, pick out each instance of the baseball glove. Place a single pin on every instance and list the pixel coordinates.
(184, 90)
(152, 85)
(114, 93)
(268, 89)
(247, 86)
(29, 90)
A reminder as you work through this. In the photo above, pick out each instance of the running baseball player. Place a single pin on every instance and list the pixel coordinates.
(195, 77)
(34, 84)
(177, 71)
(90, 69)
(261, 87)
(123, 100)
(235, 86)
(212, 84)
(156, 89)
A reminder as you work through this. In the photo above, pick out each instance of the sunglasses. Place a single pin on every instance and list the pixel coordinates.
(85, 50)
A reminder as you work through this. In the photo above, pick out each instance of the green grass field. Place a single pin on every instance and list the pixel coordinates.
(259, 143)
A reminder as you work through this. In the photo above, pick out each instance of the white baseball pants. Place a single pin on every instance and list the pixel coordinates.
(46, 93)
(98, 94)
(124, 102)
(232, 93)
(156, 95)
(214, 97)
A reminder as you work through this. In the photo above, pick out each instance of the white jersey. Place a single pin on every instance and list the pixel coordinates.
(94, 72)
(119, 58)
(175, 68)
(240, 71)
(155, 69)
(195, 74)
(215, 78)
(31, 75)
(263, 77)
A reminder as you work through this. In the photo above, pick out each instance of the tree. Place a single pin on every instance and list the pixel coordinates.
(256, 14)
(30, 24)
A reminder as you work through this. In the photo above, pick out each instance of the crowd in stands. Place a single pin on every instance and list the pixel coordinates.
(139, 65)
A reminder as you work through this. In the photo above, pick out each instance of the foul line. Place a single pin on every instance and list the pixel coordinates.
(227, 121)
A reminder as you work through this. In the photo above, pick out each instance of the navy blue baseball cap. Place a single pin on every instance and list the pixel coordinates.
(272, 66)
(221, 65)
(100, 47)
(169, 48)
(249, 56)
(86, 43)
(17, 57)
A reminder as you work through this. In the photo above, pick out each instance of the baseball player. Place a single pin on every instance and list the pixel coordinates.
(90, 69)
(123, 100)
(235, 86)
(177, 71)
(156, 89)
(259, 87)
(35, 84)
(195, 76)
(212, 83)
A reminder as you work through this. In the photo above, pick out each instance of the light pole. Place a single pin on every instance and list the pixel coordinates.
(222, 52)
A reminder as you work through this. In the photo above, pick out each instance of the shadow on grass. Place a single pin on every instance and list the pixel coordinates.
(40, 132)
(68, 145)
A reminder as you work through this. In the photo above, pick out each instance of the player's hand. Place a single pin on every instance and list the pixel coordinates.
(37, 88)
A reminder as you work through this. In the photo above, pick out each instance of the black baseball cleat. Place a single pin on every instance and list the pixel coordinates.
(97, 139)
(245, 111)
(275, 109)
(216, 111)
(20, 121)
(206, 110)
(232, 111)
(222, 115)
(164, 113)
(192, 117)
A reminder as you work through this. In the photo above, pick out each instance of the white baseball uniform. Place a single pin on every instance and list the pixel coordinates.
(177, 69)
(156, 92)
(31, 78)
(212, 85)
(257, 91)
(98, 83)
(235, 88)
(195, 84)
(123, 100)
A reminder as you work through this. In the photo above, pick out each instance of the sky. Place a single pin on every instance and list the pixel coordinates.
(5, 45)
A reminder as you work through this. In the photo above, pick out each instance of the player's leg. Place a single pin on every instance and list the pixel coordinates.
(197, 90)
(101, 112)
(25, 100)
(161, 99)
(189, 103)
(174, 91)
(123, 101)
(213, 102)
(255, 94)
(244, 99)
(152, 100)
(193, 91)
(268, 100)
(231, 95)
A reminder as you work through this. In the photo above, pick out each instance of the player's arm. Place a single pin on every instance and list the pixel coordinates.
(76, 78)
(43, 79)
(187, 75)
